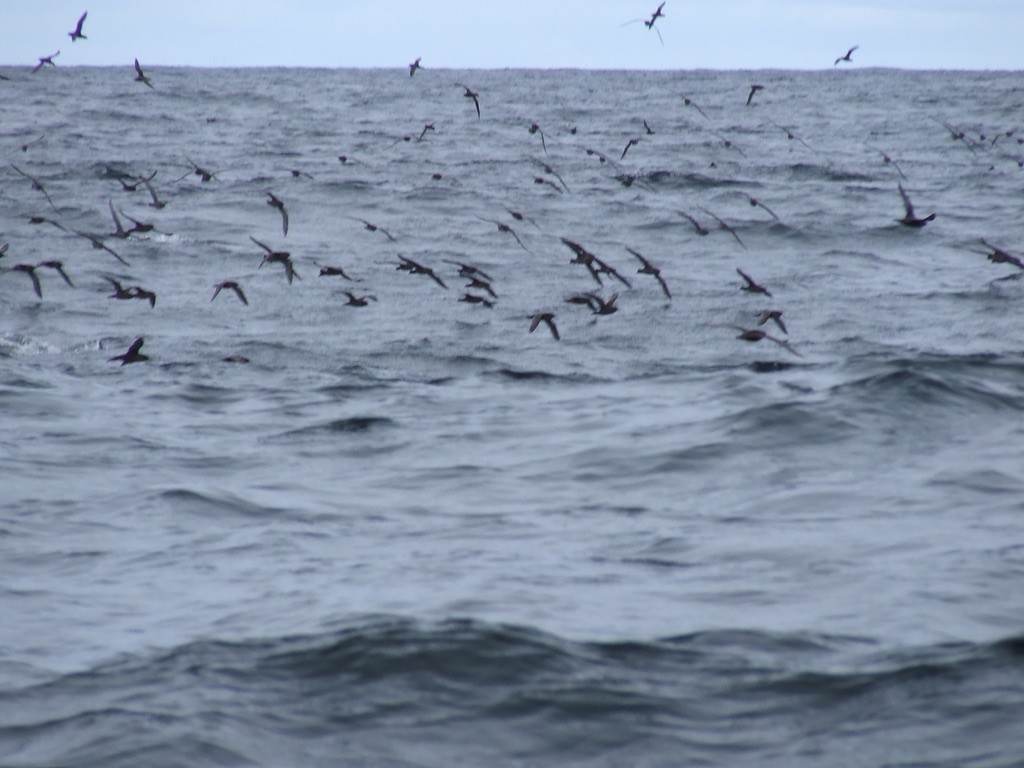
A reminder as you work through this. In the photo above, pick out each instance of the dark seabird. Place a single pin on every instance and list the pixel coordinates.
(146, 295)
(414, 66)
(597, 305)
(132, 355)
(696, 224)
(470, 94)
(140, 76)
(284, 258)
(549, 182)
(690, 103)
(548, 318)
(602, 158)
(128, 186)
(726, 227)
(849, 53)
(27, 144)
(534, 128)
(137, 226)
(648, 128)
(414, 268)
(99, 245)
(427, 127)
(469, 298)
(38, 186)
(468, 270)
(631, 143)
(755, 203)
(999, 256)
(373, 228)
(44, 60)
(44, 220)
(909, 219)
(358, 301)
(552, 172)
(790, 135)
(751, 286)
(275, 202)
(647, 268)
(230, 285)
(753, 89)
(521, 217)
(57, 266)
(120, 292)
(481, 285)
(754, 334)
(119, 230)
(772, 314)
(157, 203)
(502, 227)
(30, 270)
(299, 174)
(197, 170)
(77, 33)
(328, 271)
(889, 161)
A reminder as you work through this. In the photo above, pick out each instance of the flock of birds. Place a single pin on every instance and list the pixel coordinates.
(479, 288)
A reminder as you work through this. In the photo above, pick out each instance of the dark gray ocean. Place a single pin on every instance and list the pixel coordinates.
(306, 532)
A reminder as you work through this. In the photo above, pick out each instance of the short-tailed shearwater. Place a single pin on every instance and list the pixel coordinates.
(44, 60)
(358, 301)
(548, 318)
(230, 285)
(275, 202)
(909, 219)
(99, 245)
(373, 228)
(38, 186)
(753, 89)
(534, 128)
(414, 66)
(471, 94)
(30, 270)
(772, 314)
(414, 268)
(133, 355)
(849, 53)
(755, 334)
(140, 76)
(647, 268)
(76, 34)
(751, 286)
(284, 258)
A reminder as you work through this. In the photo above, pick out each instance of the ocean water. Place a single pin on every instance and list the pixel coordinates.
(413, 533)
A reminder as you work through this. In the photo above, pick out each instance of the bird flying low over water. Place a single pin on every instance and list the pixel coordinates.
(77, 33)
(133, 355)
(723, 225)
(275, 202)
(753, 89)
(373, 228)
(772, 314)
(44, 60)
(284, 258)
(140, 76)
(38, 186)
(647, 268)
(471, 94)
(751, 286)
(534, 128)
(548, 318)
(230, 285)
(999, 256)
(30, 270)
(849, 53)
(414, 268)
(414, 66)
(909, 219)
(755, 334)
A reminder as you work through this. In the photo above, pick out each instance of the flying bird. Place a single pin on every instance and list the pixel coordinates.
(647, 268)
(849, 53)
(631, 143)
(534, 128)
(358, 301)
(414, 268)
(140, 76)
(726, 227)
(156, 202)
(470, 298)
(373, 228)
(702, 231)
(755, 203)
(414, 66)
(58, 267)
(999, 256)
(751, 286)
(44, 60)
(471, 94)
(275, 202)
(230, 285)
(548, 318)
(889, 161)
(133, 355)
(774, 315)
(30, 270)
(753, 89)
(77, 33)
(38, 186)
(755, 334)
(329, 271)
(690, 103)
(99, 245)
(909, 219)
(502, 227)
(284, 258)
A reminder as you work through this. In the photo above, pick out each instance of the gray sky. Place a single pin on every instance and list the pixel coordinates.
(715, 34)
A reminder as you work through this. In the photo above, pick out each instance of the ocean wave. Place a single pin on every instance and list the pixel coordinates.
(508, 693)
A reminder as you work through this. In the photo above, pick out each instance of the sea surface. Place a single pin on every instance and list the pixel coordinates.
(414, 533)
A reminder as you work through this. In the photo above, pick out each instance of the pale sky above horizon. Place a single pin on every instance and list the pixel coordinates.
(588, 34)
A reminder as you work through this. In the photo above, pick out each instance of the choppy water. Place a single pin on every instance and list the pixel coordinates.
(413, 533)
